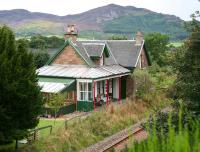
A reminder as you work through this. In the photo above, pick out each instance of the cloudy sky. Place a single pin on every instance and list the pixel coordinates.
(181, 8)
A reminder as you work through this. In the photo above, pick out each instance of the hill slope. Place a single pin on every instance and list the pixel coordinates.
(99, 22)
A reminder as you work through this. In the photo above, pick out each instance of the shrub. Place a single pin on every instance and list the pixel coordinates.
(184, 139)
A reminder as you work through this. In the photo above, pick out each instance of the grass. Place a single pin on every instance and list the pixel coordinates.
(177, 44)
(82, 133)
(184, 140)
(44, 122)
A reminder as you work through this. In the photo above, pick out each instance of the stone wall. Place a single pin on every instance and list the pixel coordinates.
(69, 56)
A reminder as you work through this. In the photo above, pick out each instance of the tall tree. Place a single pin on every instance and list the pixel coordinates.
(20, 98)
(188, 81)
(157, 45)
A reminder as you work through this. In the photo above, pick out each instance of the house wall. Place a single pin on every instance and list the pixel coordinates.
(69, 56)
(142, 61)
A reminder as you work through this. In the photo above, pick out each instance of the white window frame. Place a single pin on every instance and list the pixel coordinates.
(84, 91)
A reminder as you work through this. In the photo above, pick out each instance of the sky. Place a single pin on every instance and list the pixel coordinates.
(180, 8)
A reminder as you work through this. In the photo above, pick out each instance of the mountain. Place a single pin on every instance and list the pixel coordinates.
(100, 22)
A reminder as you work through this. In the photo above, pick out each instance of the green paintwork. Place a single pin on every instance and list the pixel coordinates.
(55, 79)
(85, 106)
(106, 51)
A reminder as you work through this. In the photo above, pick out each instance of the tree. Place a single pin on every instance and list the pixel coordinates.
(38, 42)
(157, 45)
(55, 102)
(41, 58)
(20, 97)
(42, 42)
(187, 85)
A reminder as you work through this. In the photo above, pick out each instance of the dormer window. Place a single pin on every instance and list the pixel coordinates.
(97, 52)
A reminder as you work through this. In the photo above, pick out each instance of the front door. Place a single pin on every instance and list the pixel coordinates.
(123, 87)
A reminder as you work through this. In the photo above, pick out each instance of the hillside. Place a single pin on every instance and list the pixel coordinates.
(99, 22)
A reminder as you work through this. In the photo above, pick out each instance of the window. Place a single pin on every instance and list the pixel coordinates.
(90, 97)
(85, 91)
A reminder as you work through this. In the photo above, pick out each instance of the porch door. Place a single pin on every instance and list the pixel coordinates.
(123, 87)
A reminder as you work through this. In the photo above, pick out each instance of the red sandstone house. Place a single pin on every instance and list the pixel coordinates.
(93, 72)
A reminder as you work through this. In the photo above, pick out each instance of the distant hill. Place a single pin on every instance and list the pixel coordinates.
(99, 23)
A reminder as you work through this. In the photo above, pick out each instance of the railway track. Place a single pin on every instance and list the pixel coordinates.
(116, 139)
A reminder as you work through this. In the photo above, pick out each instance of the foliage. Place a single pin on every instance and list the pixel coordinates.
(185, 140)
(147, 23)
(144, 83)
(157, 45)
(42, 42)
(56, 101)
(19, 93)
(187, 85)
(153, 82)
(41, 58)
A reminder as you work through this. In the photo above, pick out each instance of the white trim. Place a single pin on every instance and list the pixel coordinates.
(86, 51)
(111, 77)
(84, 80)
(85, 92)
(102, 50)
(111, 53)
(139, 54)
(73, 45)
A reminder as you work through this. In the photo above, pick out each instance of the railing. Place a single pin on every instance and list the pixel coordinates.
(33, 134)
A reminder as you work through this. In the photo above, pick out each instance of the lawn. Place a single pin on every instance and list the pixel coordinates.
(177, 44)
(56, 124)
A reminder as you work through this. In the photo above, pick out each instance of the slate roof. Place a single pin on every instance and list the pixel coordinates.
(94, 49)
(122, 52)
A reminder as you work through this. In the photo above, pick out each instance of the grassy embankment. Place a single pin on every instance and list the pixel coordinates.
(84, 132)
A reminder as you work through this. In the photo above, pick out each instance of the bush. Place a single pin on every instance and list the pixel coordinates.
(144, 83)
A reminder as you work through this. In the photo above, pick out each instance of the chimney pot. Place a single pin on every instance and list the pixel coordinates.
(139, 38)
(71, 33)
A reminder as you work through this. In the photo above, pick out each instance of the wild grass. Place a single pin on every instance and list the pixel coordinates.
(82, 133)
(186, 139)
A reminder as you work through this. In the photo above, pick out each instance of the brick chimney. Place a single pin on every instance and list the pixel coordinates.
(71, 33)
(139, 38)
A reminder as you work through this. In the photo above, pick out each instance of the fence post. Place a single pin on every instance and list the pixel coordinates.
(16, 144)
(34, 135)
(51, 129)
(65, 124)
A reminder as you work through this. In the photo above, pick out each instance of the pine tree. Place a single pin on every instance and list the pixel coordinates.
(20, 98)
